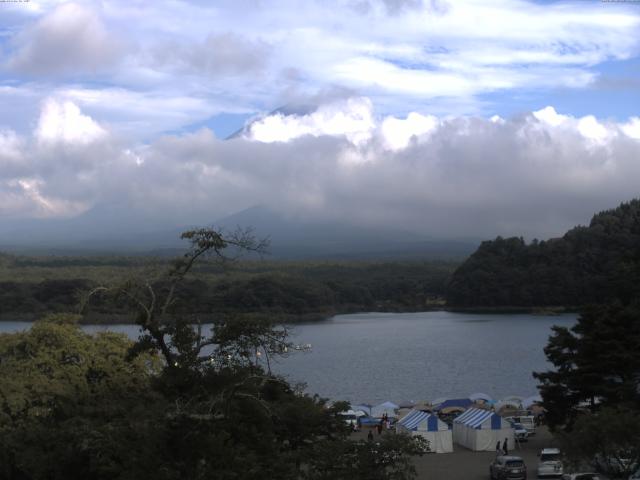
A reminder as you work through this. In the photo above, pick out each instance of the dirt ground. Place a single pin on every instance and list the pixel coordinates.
(464, 464)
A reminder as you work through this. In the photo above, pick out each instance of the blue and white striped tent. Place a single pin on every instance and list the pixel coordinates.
(480, 430)
(428, 426)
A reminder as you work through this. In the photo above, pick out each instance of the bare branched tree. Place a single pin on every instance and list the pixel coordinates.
(175, 337)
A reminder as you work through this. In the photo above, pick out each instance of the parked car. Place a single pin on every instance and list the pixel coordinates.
(508, 467)
(527, 421)
(580, 476)
(521, 433)
(550, 463)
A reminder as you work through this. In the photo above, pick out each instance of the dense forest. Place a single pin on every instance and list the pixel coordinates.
(593, 264)
(292, 291)
(178, 403)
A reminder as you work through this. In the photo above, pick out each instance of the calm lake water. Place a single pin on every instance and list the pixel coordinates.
(373, 357)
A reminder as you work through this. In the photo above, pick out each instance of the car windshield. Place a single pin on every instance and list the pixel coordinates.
(515, 464)
(549, 457)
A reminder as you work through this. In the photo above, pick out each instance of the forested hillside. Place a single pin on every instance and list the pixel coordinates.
(591, 264)
(290, 291)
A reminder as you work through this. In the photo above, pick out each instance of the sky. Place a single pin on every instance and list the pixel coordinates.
(450, 119)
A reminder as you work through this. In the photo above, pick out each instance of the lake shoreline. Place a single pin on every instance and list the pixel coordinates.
(314, 317)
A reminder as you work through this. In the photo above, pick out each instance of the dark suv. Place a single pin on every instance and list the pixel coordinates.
(508, 467)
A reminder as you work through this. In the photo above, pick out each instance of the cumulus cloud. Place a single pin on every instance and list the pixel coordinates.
(536, 174)
(70, 39)
(64, 122)
(352, 118)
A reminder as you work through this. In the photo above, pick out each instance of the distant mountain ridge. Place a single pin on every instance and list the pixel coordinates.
(593, 264)
(113, 231)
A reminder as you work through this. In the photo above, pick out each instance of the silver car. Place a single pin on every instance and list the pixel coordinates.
(508, 467)
(550, 463)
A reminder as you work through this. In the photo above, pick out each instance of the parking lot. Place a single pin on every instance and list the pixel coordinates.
(464, 464)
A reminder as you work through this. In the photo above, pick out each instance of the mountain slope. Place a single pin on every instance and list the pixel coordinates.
(300, 238)
(587, 265)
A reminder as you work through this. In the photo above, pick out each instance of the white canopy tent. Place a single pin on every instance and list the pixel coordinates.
(429, 427)
(387, 407)
(480, 430)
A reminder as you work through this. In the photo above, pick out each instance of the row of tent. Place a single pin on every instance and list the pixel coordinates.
(476, 429)
(445, 405)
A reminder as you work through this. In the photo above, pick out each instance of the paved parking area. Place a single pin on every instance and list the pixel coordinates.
(464, 464)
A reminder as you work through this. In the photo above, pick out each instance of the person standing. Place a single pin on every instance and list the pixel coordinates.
(370, 436)
(505, 449)
(498, 448)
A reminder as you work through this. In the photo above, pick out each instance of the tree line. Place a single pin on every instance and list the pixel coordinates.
(288, 290)
(592, 264)
(592, 391)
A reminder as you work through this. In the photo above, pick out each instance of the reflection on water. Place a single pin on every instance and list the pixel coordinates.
(373, 357)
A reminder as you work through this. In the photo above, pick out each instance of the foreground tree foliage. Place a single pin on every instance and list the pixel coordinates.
(180, 403)
(592, 395)
(610, 440)
(66, 396)
(597, 364)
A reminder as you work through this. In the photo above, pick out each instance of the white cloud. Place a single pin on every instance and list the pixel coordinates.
(147, 71)
(590, 128)
(64, 122)
(632, 128)
(448, 176)
(352, 118)
(398, 132)
(550, 116)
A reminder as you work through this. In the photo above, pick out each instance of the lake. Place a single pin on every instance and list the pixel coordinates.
(373, 357)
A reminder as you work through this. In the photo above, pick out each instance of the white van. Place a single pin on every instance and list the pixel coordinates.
(527, 421)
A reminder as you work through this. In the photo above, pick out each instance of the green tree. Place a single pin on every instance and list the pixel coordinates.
(611, 438)
(387, 458)
(597, 363)
(58, 385)
(221, 413)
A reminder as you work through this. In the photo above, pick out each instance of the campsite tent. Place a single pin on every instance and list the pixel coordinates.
(429, 427)
(365, 407)
(482, 397)
(457, 404)
(480, 430)
(387, 407)
(454, 402)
